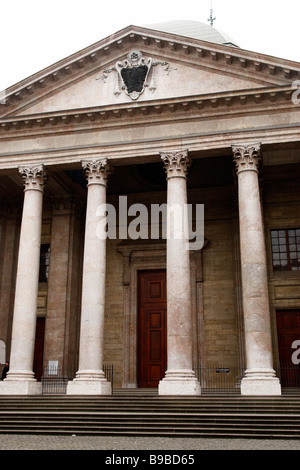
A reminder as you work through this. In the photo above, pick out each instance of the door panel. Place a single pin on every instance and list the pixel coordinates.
(152, 344)
(39, 348)
(288, 329)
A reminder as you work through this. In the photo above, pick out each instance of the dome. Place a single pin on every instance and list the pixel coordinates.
(195, 30)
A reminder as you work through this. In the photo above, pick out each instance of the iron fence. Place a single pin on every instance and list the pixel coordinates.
(55, 381)
(215, 379)
(289, 377)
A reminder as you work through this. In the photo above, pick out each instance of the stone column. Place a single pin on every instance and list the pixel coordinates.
(260, 378)
(180, 378)
(20, 378)
(90, 378)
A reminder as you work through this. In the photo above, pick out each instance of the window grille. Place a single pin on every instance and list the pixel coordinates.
(44, 263)
(286, 249)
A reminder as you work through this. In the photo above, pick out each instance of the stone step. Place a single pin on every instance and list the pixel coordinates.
(152, 416)
(167, 430)
(157, 402)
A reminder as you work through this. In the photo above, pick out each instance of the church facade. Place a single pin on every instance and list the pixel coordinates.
(150, 218)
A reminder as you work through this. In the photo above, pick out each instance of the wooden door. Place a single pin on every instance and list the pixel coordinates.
(152, 328)
(288, 328)
(39, 348)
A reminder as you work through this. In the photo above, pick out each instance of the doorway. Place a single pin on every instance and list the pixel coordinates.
(288, 329)
(152, 327)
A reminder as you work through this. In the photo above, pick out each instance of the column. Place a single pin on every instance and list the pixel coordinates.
(180, 378)
(260, 377)
(20, 379)
(90, 378)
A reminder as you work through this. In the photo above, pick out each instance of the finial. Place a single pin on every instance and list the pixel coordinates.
(211, 19)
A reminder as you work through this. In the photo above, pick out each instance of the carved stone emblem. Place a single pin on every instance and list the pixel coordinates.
(133, 73)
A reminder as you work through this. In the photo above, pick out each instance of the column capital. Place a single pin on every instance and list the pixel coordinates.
(96, 171)
(176, 163)
(34, 177)
(246, 157)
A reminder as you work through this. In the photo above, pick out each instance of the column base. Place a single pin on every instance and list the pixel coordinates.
(89, 383)
(20, 387)
(88, 387)
(258, 382)
(179, 383)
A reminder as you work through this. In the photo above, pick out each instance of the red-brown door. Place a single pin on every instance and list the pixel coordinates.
(152, 325)
(39, 348)
(288, 328)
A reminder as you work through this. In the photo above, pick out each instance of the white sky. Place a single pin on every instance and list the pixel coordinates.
(37, 33)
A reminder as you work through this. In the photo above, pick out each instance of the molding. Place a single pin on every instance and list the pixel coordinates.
(198, 106)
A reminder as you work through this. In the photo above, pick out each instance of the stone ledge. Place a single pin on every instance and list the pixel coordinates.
(89, 387)
(20, 387)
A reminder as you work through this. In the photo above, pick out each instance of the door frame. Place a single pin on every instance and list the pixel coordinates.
(144, 255)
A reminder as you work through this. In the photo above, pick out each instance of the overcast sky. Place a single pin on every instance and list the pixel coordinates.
(37, 33)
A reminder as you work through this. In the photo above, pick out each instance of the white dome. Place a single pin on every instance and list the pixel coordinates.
(195, 30)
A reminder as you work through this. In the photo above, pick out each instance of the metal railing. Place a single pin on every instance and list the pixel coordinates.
(216, 379)
(55, 381)
(289, 377)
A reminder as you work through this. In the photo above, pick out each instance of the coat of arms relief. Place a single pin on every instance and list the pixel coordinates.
(134, 74)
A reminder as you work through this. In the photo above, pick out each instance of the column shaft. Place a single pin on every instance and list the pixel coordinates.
(180, 377)
(90, 378)
(20, 379)
(260, 376)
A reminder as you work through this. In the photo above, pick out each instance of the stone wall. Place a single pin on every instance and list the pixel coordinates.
(114, 316)
(281, 202)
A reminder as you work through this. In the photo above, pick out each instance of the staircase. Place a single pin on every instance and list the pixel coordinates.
(139, 414)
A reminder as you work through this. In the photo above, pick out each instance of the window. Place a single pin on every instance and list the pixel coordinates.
(44, 263)
(286, 249)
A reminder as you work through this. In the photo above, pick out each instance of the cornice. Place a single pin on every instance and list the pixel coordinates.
(198, 107)
(226, 58)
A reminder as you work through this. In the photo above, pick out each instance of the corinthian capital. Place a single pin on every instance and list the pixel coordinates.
(34, 177)
(96, 171)
(176, 163)
(246, 157)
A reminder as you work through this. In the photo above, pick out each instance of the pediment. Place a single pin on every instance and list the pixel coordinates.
(177, 67)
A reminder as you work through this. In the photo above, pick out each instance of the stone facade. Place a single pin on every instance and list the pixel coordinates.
(212, 125)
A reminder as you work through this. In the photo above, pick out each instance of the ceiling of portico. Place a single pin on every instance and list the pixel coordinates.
(151, 177)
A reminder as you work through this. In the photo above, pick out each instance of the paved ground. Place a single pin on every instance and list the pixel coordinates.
(32, 442)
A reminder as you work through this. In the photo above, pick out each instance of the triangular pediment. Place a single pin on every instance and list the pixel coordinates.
(177, 67)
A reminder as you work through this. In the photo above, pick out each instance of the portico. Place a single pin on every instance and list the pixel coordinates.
(165, 146)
